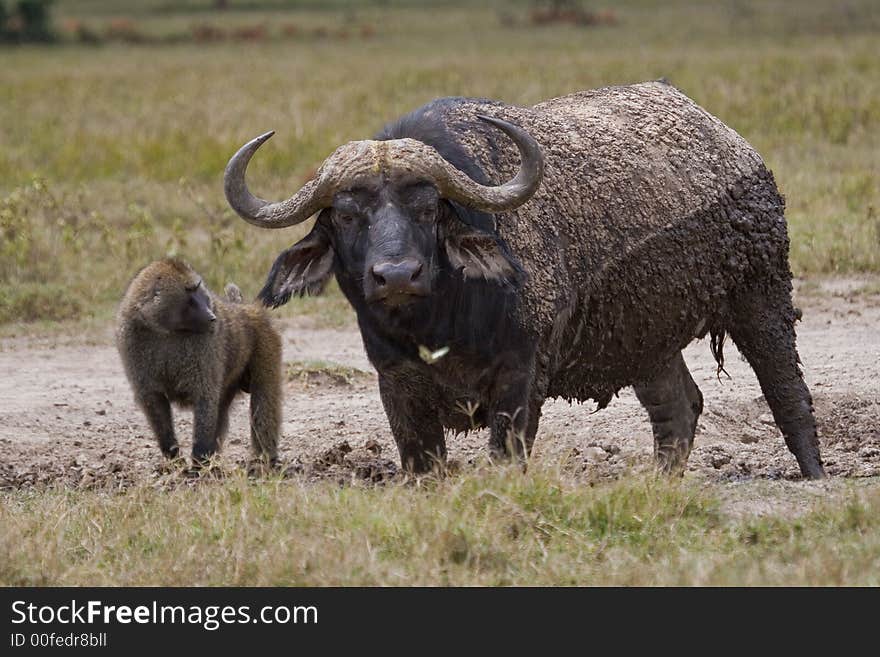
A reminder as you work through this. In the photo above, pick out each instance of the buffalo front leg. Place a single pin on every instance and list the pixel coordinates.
(414, 423)
(674, 403)
(763, 330)
(514, 418)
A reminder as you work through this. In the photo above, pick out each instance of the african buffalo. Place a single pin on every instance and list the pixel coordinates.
(632, 222)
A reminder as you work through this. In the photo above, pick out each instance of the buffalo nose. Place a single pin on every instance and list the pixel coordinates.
(397, 276)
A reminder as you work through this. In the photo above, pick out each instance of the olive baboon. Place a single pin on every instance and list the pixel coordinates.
(180, 343)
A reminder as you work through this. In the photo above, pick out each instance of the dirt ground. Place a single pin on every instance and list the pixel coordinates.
(67, 415)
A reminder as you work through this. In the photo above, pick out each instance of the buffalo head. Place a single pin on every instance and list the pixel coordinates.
(387, 220)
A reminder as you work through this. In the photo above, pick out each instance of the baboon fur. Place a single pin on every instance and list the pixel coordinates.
(199, 366)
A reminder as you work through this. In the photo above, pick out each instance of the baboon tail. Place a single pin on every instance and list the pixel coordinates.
(233, 294)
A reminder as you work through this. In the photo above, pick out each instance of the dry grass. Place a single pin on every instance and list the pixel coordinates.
(129, 142)
(495, 527)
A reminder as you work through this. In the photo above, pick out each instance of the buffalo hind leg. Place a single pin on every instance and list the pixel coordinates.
(674, 403)
(762, 327)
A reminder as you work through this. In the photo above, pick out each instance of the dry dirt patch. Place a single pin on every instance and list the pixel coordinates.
(67, 416)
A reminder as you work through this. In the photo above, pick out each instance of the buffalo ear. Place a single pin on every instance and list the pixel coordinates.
(304, 268)
(480, 254)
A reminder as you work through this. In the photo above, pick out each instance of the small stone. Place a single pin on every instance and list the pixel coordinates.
(767, 418)
(719, 459)
(101, 411)
(595, 454)
(373, 447)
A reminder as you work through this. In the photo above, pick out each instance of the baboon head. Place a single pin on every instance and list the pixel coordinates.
(169, 297)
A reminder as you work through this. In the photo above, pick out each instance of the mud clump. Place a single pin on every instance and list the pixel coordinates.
(346, 465)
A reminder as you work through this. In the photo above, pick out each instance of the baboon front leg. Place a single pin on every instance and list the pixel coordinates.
(414, 423)
(157, 408)
(763, 330)
(205, 424)
(674, 403)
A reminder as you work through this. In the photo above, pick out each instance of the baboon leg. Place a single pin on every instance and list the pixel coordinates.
(762, 326)
(265, 386)
(205, 423)
(674, 403)
(157, 408)
(223, 415)
(414, 423)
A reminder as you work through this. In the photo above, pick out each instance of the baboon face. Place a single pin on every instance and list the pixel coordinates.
(178, 302)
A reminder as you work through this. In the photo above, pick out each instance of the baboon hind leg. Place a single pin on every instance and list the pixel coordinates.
(265, 387)
(223, 415)
(674, 404)
(762, 327)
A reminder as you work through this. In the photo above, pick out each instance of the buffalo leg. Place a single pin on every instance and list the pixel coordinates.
(674, 403)
(414, 423)
(515, 417)
(762, 327)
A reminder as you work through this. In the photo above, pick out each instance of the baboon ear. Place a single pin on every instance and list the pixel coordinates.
(302, 269)
(480, 254)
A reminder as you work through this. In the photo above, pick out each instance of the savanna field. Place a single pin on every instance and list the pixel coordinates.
(112, 146)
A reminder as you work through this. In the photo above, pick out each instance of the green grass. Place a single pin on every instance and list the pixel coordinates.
(494, 527)
(112, 156)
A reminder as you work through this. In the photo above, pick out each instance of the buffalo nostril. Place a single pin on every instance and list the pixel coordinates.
(416, 273)
(380, 280)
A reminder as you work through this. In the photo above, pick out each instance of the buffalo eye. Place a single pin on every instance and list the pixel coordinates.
(344, 217)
